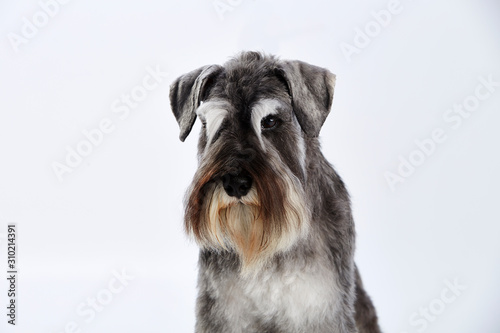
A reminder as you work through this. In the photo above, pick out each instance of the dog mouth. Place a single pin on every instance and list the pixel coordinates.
(264, 217)
(226, 200)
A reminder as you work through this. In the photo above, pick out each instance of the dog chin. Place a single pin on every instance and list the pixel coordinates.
(239, 224)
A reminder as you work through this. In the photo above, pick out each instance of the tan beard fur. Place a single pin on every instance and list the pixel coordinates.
(238, 224)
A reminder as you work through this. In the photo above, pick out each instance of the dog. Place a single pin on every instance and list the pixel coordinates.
(271, 216)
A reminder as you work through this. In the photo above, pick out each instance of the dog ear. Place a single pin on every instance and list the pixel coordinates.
(311, 89)
(186, 94)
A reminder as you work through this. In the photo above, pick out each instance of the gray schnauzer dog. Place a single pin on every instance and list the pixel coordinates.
(270, 214)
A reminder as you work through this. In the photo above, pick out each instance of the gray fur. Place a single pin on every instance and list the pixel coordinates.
(314, 285)
(185, 96)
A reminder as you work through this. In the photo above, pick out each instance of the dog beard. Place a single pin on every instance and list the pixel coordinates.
(268, 220)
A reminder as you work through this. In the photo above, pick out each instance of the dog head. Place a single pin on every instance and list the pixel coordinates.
(258, 113)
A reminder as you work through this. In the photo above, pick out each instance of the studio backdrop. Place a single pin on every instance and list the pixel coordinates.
(93, 174)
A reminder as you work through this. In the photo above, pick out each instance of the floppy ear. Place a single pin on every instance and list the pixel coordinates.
(311, 89)
(186, 94)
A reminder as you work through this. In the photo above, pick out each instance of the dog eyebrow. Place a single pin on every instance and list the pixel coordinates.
(262, 109)
(212, 114)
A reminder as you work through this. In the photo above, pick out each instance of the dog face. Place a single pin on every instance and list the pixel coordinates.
(258, 115)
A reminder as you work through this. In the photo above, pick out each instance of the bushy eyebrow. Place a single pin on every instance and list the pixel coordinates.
(212, 114)
(262, 109)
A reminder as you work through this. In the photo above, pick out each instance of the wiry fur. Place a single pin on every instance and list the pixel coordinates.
(267, 220)
(280, 258)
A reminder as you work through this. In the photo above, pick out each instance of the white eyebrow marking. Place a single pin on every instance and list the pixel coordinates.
(212, 114)
(261, 110)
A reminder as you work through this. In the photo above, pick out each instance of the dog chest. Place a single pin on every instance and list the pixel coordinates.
(291, 296)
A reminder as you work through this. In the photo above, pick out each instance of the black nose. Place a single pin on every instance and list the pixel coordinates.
(236, 185)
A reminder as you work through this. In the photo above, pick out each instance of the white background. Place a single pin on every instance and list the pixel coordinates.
(121, 207)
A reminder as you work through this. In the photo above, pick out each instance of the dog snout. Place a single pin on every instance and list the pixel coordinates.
(236, 185)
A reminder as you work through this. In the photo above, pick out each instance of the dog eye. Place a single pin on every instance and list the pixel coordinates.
(269, 122)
